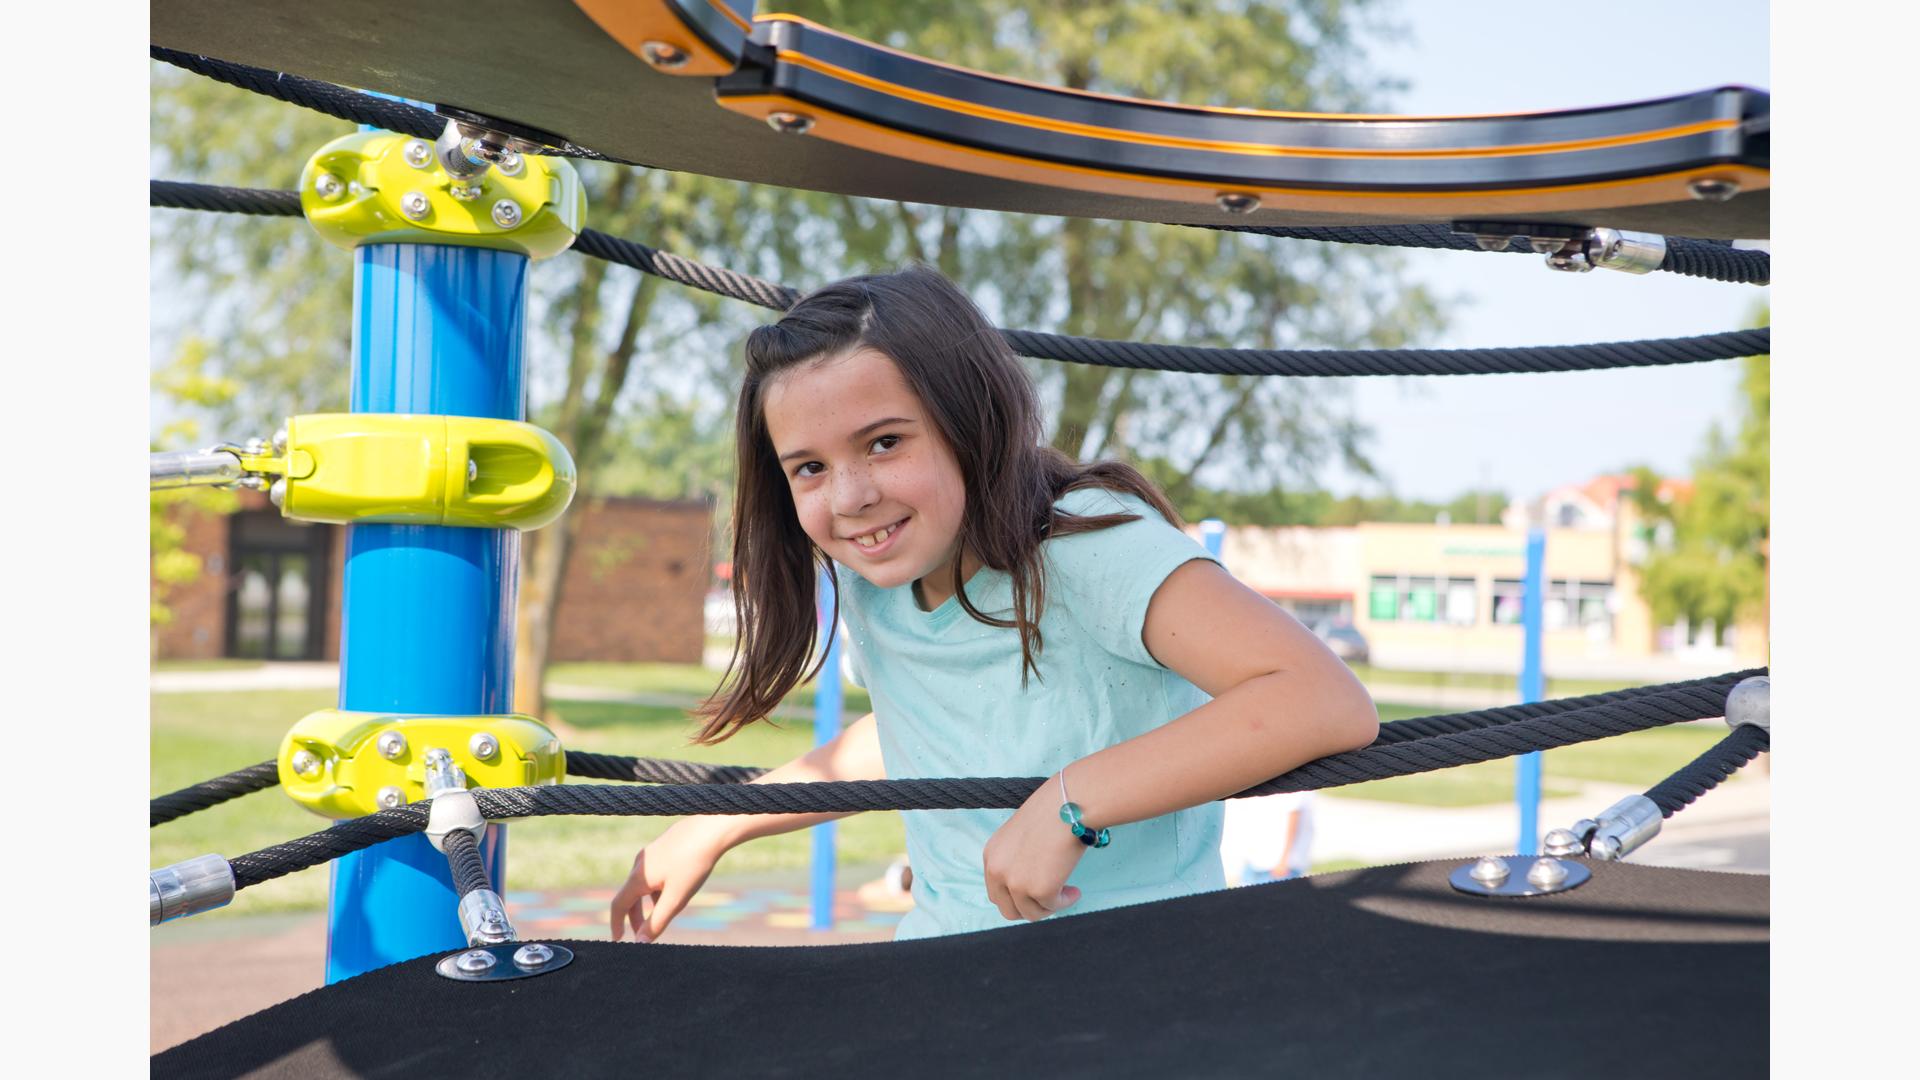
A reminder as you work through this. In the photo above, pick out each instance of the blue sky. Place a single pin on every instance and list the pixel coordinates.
(1525, 434)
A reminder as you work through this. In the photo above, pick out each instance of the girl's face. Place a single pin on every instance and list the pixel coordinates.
(874, 483)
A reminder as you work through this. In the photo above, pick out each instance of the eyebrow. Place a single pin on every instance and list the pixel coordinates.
(855, 437)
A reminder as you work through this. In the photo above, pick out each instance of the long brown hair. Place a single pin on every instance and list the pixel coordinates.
(983, 405)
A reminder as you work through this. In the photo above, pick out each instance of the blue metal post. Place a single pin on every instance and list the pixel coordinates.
(1213, 534)
(1532, 688)
(826, 728)
(426, 613)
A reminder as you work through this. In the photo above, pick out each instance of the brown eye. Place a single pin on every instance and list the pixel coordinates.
(885, 443)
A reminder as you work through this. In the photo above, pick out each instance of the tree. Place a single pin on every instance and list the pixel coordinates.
(1708, 557)
(636, 376)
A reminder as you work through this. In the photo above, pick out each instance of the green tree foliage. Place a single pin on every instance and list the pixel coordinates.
(1708, 548)
(636, 376)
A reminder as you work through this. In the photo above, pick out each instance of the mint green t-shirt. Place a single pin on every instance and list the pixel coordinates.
(948, 700)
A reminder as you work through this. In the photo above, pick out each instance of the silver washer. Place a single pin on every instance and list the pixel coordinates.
(1517, 882)
(505, 962)
(532, 957)
(475, 961)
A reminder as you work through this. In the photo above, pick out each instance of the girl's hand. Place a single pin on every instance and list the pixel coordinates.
(1029, 859)
(665, 876)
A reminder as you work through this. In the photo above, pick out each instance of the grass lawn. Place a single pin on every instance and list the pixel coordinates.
(686, 680)
(196, 736)
(1556, 688)
(207, 665)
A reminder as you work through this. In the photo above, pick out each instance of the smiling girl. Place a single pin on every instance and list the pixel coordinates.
(1012, 613)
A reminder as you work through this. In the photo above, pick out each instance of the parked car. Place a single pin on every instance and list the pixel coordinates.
(1346, 642)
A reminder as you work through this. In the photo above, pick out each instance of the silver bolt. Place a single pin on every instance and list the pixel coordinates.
(280, 441)
(1563, 842)
(1604, 848)
(466, 192)
(1546, 873)
(391, 744)
(473, 470)
(483, 746)
(506, 213)
(391, 798)
(1490, 242)
(306, 763)
(511, 163)
(790, 123)
(418, 154)
(476, 961)
(414, 204)
(328, 186)
(1570, 259)
(1713, 189)
(1237, 202)
(1490, 871)
(1545, 245)
(277, 494)
(529, 957)
(664, 56)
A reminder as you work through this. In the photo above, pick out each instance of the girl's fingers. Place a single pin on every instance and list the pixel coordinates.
(665, 907)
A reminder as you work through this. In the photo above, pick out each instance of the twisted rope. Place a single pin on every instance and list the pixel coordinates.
(1697, 692)
(463, 860)
(1204, 360)
(1377, 762)
(179, 804)
(583, 764)
(175, 195)
(336, 101)
(1712, 259)
(1705, 772)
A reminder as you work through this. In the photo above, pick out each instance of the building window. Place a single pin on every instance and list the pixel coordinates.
(1425, 598)
(1460, 604)
(1567, 603)
(1383, 600)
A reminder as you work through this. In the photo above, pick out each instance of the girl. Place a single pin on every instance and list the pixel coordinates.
(1012, 613)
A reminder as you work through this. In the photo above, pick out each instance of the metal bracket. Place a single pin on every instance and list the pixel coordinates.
(1519, 875)
(498, 963)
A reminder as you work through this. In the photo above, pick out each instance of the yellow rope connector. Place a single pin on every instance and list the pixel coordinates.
(342, 764)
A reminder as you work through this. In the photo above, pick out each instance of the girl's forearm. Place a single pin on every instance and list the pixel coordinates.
(853, 755)
(1256, 731)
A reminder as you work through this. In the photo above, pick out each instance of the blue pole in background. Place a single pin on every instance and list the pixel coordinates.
(426, 612)
(1213, 534)
(1532, 688)
(826, 727)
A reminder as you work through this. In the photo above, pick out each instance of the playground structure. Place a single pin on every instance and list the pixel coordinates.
(435, 471)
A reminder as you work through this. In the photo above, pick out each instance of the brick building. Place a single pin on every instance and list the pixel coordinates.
(269, 588)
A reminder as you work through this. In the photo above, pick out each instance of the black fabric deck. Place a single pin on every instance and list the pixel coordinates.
(545, 64)
(1641, 972)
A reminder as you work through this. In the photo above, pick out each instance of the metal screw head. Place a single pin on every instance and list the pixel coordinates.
(391, 744)
(1712, 189)
(665, 56)
(528, 957)
(1546, 873)
(277, 494)
(789, 123)
(280, 441)
(390, 798)
(1573, 262)
(1604, 848)
(1563, 842)
(1490, 870)
(511, 163)
(483, 746)
(1237, 202)
(414, 204)
(419, 153)
(328, 186)
(475, 961)
(1490, 242)
(506, 213)
(473, 470)
(306, 763)
(465, 191)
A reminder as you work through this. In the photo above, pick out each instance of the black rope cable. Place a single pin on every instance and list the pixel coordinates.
(164, 808)
(463, 860)
(980, 793)
(1711, 259)
(175, 195)
(335, 101)
(592, 766)
(1714, 687)
(1705, 772)
(1221, 361)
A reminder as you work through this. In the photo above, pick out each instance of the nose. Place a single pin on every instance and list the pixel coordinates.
(853, 491)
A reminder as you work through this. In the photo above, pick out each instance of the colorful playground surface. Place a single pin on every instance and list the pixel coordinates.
(743, 908)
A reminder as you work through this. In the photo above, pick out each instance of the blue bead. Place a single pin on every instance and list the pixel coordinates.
(1070, 813)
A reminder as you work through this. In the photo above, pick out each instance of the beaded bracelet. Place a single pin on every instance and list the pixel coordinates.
(1070, 813)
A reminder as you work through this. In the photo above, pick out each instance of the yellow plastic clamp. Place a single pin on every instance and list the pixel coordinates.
(345, 764)
(377, 187)
(419, 470)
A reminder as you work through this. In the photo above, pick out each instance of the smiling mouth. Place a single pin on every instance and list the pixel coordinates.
(879, 539)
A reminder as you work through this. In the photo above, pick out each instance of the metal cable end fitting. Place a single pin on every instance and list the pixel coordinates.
(1562, 843)
(1490, 871)
(1237, 202)
(1618, 249)
(188, 888)
(1570, 256)
(1747, 702)
(483, 916)
(789, 123)
(1624, 827)
(442, 774)
(664, 55)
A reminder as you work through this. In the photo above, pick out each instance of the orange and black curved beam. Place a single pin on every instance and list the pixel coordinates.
(855, 93)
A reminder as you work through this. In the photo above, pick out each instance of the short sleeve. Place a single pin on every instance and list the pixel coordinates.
(1106, 578)
(854, 667)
